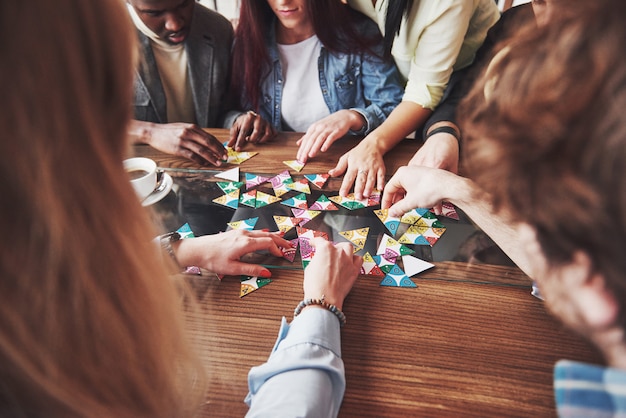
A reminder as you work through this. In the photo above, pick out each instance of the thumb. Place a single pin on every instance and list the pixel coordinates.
(340, 168)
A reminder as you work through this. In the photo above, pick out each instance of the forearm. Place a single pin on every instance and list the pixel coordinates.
(304, 375)
(404, 119)
(475, 203)
(140, 132)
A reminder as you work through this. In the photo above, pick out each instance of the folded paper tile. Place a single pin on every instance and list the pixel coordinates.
(246, 224)
(370, 267)
(232, 174)
(295, 164)
(230, 199)
(397, 278)
(229, 186)
(298, 201)
(250, 284)
(357, 237)
(392, 249)
(248, 198)
(319, 180)
(304, 214)
(253, 180)
(323, 204)
(299, 186)
(391, 223)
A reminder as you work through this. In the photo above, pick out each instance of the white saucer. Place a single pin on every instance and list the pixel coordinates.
(156, 196)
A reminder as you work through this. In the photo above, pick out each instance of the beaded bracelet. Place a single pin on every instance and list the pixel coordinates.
(307, 302)
(166, 241)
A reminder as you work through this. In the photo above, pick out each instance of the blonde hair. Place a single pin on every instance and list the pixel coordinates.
(91, 324)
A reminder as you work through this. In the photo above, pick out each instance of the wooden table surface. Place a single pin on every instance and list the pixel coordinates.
(469, 341)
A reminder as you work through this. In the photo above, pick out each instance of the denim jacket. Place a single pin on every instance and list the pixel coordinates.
(361, 82)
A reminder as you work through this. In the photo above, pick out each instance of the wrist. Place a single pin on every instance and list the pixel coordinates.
(321, 303)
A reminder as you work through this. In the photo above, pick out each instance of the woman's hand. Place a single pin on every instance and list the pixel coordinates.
(221, 253)
(323, 133)
(364, 168)
(250, 127)
(332, 272)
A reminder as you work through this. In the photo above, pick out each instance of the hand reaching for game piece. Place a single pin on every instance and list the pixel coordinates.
(332, 271)
(249, 127)
(221, 253)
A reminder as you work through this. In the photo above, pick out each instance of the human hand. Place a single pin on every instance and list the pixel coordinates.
(419, 187)
(323, 133)
(364, 167)
(441, 150)
(221, 253)
(186, 140)
(249, 127)
(332, 271)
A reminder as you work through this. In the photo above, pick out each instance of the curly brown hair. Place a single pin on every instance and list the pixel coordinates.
(546, 136)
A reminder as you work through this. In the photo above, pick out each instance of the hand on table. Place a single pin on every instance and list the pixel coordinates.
(364, 167)
(249, 127)
(185, 140)
(418, 187)
(221, 253)
(332, 271)
(323, 133)
(439, 151)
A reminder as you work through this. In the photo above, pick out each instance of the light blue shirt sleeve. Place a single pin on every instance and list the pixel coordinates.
(304, 375)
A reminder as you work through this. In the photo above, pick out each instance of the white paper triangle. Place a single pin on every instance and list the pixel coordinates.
(413, 265)
(232, 174)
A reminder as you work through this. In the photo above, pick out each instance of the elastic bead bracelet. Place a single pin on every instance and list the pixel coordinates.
(307, 302)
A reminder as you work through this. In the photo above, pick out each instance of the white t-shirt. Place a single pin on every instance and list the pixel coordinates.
(302, 101)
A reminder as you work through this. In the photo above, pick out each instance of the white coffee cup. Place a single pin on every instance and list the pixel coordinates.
(143, 176)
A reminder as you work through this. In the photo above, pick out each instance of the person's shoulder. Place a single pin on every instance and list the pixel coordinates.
(211, 20)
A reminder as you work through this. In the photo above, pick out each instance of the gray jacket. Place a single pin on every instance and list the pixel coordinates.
(208, 47)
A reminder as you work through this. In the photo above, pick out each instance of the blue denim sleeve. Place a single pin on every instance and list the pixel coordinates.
(304, 375)
(382, 88)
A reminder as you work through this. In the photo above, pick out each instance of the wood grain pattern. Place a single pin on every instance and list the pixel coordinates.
(469, 341)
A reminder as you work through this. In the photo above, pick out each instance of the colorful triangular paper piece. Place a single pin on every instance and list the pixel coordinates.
(250, 284)
(383, 264)
(323, 203)
(246, 224)
(264, 199)
(253, 180)
(185, 231)
(319, 180)
(304, 214)
(279, 183)
(392, 249)
(357, 237)
(370, 267)
(413, 215)
(248, 198)
(298, 201)
(230, 199)
(310, 233)
(229, 186)
(299, 186)
(397, 278)
(238, 157)
(449, 211)
(285, 223)
(290, 252)
(295, 164)
(391, 223)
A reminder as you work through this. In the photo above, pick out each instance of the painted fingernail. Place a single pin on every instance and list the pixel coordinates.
(265, 230)
(266, 273)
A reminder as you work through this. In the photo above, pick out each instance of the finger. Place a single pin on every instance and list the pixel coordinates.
(244, 129)
(208, 141)
(303, 150)
(330, 139)
(316, 144)
(340, 168)
(232, 138)
(248, 269)
(437, 209)
(268, 134)
(380, 179)
(369, 184)
(348, 182)
(359, 183)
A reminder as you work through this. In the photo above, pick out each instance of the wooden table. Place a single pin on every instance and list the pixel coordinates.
(469, 341)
